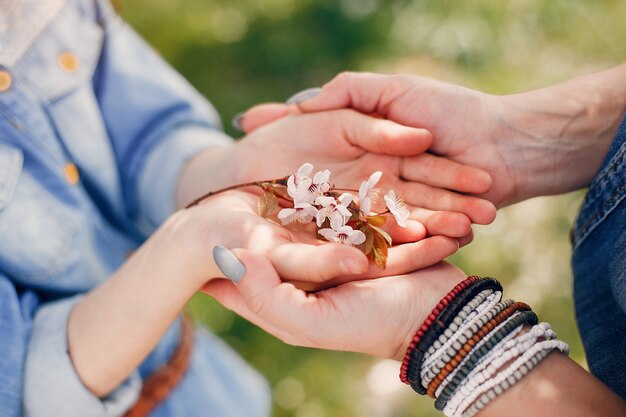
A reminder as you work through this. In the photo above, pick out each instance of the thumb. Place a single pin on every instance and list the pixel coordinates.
(253, 274)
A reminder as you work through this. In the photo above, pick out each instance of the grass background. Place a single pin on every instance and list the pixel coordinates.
(241, 52)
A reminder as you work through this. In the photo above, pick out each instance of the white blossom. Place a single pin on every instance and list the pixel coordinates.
(304, 189)
(367, 192)
(335, 209)
(300, 213)
(343, 234)
(397, 207)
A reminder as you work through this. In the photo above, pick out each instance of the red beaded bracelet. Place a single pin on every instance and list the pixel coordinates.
(432, 317)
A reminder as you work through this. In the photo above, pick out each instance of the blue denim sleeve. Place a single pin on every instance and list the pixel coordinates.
(155, 119)
(51, 385)
(15, 313)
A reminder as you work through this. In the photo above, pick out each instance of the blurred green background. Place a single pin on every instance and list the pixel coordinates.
(241, 52)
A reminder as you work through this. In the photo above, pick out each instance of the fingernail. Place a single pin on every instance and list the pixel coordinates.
(351, 267)
(229, 264)
(237, 121)
(303, 95)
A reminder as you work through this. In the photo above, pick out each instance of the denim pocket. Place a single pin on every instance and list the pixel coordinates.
(38, 233)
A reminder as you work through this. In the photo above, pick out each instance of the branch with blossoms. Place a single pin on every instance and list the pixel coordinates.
(340, 217)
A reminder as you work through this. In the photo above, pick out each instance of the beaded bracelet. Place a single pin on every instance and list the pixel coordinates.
(467, 347)
(489, 368)
(460, 338)
(504, 332)
(484, 300)
(442, 322)
(478, 305)
(443, 303)
(508, 375)
(463, 316)
(514, 377)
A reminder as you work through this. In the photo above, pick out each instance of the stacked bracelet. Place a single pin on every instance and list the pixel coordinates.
(473, 346)
(428, 322)
(442, 322)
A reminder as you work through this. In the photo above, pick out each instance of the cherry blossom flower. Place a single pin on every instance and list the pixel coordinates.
(343, 234)
(300, 213)
(304, 189)
(367, 192)
(336, 209)
(397, 207)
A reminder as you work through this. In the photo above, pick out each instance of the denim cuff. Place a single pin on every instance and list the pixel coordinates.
(51, 385)
(162, 169)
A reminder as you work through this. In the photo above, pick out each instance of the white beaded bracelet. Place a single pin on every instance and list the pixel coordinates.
(491, 365)
(433, 364)
(511, 375)
(479, 345)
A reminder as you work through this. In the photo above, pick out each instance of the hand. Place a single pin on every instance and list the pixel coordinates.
(547, 141)
(376, 317)
(353, 146)
(231, 220)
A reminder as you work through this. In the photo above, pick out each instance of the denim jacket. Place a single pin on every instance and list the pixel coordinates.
(599, 263)
(94, 131)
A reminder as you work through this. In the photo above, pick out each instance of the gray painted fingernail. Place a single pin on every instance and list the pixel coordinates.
(237, 121)
(304, 95)
(229, 264)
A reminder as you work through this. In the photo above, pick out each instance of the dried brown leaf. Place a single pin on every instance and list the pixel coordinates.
(384, 234)
(268, 204)
(378, 221)
(366, 247)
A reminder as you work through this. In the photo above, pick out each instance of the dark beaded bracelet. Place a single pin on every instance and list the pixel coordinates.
(524, 317)
(440, 324)
(421, 331)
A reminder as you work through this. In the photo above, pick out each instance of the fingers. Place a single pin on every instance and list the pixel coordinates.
(263, 114)
(317, 263)
(421, 195)
(383, 136)
(445, 223)
(365, 92)
(467, 239)
(413, 231)
(402, 259)
(444, 173)
(413, 256)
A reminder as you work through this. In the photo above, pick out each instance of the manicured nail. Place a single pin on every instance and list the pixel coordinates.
(304, 95)
(229, 264)
(237, 121)
(351, 267)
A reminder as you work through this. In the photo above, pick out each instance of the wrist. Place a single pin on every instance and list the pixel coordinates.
(557, 137)
(212, 169)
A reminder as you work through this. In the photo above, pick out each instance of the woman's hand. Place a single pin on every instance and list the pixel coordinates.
(231, 220)
(546, 141)
(377, 317)
(352, 146)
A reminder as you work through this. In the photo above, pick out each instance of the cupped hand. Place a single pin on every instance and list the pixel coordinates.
(352, 146)
(230, 219)
(377, 317)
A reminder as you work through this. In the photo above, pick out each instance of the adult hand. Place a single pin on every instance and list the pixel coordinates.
(352, 146)
(546, 141)
(377, 317)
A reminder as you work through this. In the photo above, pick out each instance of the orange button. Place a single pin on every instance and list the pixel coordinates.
(5, 81)
(69, 62)
(71, 174)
